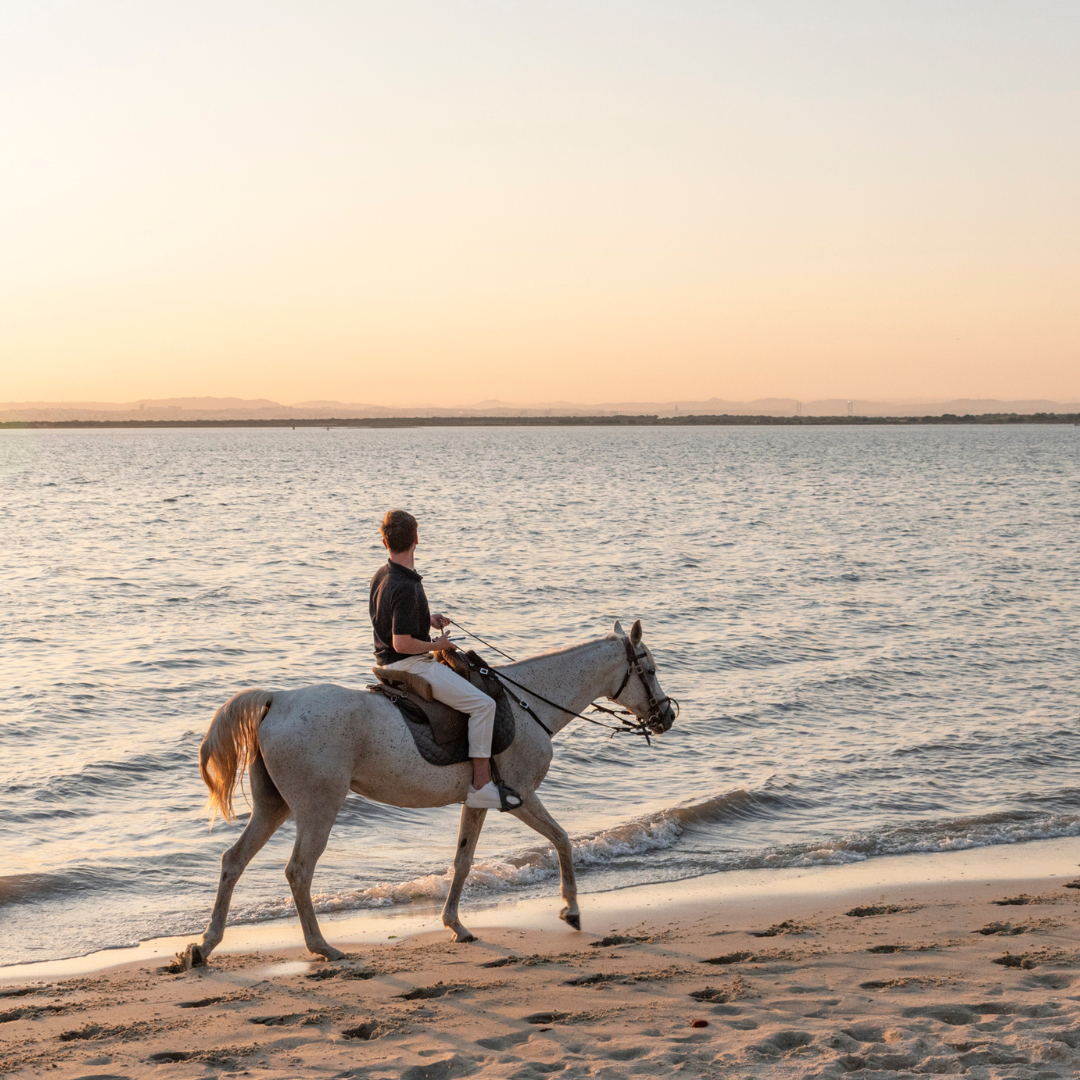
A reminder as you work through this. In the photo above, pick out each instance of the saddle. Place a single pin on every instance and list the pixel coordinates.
(441, 733)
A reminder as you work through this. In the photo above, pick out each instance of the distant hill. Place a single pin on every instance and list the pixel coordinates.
(228, 408)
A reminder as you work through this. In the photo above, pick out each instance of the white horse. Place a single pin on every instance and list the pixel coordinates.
(305, 750)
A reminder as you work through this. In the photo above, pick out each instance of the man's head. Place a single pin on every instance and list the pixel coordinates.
(398, 531)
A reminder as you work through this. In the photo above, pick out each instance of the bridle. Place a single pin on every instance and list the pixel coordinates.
(633, 667)
(651, 723)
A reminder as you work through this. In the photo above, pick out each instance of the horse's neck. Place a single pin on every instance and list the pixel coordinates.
(571, 677)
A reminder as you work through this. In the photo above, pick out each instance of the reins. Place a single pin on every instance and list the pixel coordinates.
(633, 666)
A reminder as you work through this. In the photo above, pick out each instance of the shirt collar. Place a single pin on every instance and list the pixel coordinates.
(397, 568)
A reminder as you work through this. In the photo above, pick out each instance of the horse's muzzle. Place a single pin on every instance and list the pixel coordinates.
(662, 720)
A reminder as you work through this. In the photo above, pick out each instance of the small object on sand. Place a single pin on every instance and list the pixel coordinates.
(1016, 901)
(1072, 884)
(699, 1023)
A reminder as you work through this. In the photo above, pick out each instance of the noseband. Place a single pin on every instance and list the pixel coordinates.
(633, 667)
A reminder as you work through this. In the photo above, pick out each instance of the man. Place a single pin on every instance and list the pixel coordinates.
(403, 621)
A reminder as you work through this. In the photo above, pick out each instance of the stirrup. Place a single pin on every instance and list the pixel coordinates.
(506, 793)
(509, 799)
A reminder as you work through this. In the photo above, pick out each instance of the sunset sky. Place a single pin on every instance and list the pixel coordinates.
(436, 203)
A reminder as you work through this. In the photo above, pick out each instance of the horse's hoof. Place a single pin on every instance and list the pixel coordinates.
(329, 953)
(460, 936)
(192, 957)
(572, 918)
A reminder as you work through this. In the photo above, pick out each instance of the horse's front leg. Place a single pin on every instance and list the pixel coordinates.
(472, 821)
(534, 814)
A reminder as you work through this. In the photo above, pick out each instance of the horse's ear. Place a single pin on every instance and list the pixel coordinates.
(635, 632)
(618, 629)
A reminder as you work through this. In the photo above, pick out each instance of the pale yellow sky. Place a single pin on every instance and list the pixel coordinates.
(435, 203)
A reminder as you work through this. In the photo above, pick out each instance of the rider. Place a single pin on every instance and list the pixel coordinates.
(402, 620)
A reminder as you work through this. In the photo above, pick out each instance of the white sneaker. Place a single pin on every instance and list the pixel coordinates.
(490, 798)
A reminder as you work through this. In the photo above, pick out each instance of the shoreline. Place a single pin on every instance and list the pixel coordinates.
(960, 963)
(1030, 862)
(602, 420)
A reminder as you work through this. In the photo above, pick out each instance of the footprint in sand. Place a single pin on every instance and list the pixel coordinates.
(778, 929)
(369, 1029)
(992, 928)
(730, 958)
(782, 1042)
(426, 993)
(871, 910)
(504, 1042)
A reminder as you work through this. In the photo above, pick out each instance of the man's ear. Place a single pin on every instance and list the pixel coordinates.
(635, 633)
(618, 629)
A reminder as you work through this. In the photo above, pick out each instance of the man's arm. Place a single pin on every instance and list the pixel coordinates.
(410, 646)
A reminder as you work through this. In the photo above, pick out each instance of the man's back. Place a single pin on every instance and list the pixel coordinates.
(397, 605)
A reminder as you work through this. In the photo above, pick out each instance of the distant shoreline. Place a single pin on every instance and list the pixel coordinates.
(723, 420)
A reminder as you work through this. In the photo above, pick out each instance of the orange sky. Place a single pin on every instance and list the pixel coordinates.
(407, 203)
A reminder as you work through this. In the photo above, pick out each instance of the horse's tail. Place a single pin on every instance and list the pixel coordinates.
(230, 746)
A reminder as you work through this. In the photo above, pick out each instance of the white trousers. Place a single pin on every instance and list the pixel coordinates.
(451, 689)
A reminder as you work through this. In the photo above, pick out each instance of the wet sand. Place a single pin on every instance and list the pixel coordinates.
(956, 964)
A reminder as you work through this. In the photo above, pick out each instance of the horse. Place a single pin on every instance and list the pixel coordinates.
(305, 750)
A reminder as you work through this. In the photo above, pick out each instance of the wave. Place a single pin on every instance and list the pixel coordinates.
(955, 834)
(30, 888)
(642, 836)
(624, 846)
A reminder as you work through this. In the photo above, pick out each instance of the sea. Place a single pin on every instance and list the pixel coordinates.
(873, 633)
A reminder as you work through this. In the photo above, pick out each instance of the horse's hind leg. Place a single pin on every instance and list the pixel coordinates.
(313, 825)
(268, 812)
(534, 814)
(472, 821)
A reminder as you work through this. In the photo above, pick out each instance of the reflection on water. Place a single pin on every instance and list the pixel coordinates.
(872, 633)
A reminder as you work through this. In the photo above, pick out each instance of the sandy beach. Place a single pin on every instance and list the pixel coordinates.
(959, 964)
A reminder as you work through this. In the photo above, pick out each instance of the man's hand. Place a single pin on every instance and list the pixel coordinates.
(443, 642)
(440, 622)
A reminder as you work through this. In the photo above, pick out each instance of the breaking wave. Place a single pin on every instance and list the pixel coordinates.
(625, 846)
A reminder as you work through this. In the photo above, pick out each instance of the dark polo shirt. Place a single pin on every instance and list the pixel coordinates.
(398, 606)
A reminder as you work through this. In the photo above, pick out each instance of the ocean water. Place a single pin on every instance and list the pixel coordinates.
(873, 633)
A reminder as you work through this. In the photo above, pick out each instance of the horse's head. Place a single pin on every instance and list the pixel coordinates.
(640, 691)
